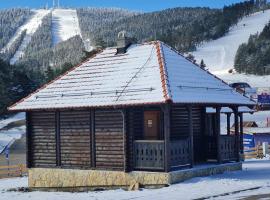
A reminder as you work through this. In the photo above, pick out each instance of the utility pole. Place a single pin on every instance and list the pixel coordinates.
(53, 4)
(58, 3)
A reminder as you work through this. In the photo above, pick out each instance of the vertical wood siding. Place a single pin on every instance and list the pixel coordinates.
(43, 148)
(109, 139)
(75, 139)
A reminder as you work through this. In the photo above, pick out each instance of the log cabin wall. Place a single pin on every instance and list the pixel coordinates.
(109, 140)
(42, 149)
(180, 128)
(75, 139)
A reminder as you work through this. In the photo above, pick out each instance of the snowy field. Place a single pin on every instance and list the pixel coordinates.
(255, 174)
(65, 24)
(30, 26)
(219, 54)
(7, 137)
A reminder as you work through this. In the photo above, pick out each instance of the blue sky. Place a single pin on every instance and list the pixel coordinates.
(140, 5)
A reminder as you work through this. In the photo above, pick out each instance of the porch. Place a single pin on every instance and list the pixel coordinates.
(171, 153)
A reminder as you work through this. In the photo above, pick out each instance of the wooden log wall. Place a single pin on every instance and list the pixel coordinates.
(75, 147)
(43, 143)
(180, 127)
(109, 139)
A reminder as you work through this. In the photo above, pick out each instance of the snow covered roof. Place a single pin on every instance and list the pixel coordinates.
(148, 73)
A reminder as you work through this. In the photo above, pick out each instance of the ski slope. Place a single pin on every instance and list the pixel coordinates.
(30, 26)
(65, 24)
(219, 54)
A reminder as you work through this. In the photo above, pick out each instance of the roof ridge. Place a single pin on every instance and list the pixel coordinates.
(163, 72)
(52, 81)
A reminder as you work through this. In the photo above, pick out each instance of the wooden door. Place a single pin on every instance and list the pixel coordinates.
(151, 125)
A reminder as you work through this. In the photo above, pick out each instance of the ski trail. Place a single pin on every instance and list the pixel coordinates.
(30, 26)
(65, 24)
(219, 54)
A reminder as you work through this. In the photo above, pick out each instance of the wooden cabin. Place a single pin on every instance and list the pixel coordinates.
(129, 109)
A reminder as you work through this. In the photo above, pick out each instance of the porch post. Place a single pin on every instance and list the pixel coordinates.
(190, 129)
(241, 136)
(219, 159)
(124, 114)
(167, 153)
(228, 123)
(29, 156)
(236, 126)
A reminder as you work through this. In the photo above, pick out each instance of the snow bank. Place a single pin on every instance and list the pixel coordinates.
(256, 173)
(65, 24)
(7, 137)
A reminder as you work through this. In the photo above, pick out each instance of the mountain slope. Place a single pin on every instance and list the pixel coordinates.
(219, 54)
(30, 26)
(65, 25)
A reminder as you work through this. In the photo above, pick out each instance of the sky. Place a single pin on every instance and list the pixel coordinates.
(138, 5)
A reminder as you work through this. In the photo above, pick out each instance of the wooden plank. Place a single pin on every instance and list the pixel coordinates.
(190, 125)
(167, 131)
(218, 142)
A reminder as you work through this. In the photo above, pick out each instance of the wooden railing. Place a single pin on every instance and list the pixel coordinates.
(13, 171)
(180, 153)
(149, 154)
(228, 147)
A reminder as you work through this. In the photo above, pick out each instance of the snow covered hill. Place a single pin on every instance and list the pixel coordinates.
(30, 26)
(219, 54)
(65, 24)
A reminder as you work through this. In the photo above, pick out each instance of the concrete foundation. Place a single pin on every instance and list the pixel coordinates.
(72, 178)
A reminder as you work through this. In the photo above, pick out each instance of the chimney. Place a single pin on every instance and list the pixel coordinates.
(123, 42)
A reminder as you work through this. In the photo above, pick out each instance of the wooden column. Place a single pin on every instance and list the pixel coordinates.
(190, 130)
(236, 126)
(93, 140)
(219, 159)
(228, 123)
(58, 139)
(241, 136)
(29, 156)
(124, 115)
(167, 122)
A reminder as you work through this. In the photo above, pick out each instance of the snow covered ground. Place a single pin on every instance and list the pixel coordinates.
(219, 54)
(7, 137)
(65, 24)
(255, 174)
(30, 26)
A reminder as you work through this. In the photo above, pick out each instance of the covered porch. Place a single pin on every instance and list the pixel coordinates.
(178, 137)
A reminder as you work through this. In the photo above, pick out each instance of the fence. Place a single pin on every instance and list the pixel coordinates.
(256, 152)
(13, 171)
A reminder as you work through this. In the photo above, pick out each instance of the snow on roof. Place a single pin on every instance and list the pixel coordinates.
(148, 73)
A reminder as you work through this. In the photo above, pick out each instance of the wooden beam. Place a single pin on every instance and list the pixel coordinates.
(190, 130)
(124, 115)
(167, 130)
(219, 159)
(29, 157)
(236, 126)
(241, 136)
(58, 139)
(228, 123)
(93, 140)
